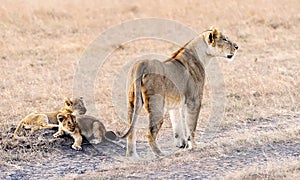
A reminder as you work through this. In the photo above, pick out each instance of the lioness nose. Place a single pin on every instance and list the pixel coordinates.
(236, 46)
(181, 145)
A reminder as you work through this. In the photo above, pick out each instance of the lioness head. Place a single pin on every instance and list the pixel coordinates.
(219, 44)
(67, 120)
(75, 105)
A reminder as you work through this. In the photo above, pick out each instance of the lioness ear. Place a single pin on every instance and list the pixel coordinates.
(68, 102)
(210, 38)
(60, 118)
(213, 35)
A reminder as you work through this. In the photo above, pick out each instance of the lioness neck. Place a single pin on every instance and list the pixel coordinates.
(199, 47)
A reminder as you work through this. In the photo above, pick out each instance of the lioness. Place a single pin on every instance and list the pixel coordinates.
(175, 85)
(68, 124)
(42, 120)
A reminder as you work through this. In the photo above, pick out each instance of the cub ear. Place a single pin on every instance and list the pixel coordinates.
(68, 102)
(74, 118)
(60, 118)
(81, 98)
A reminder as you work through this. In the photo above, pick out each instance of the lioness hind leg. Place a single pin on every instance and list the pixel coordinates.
(131, 139)
(151, 135)
(131, 145)
(155, 109)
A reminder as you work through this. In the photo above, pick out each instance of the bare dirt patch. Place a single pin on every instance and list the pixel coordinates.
(40, 155)
(219, 155)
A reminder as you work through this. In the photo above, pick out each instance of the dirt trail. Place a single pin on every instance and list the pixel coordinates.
(46, 157)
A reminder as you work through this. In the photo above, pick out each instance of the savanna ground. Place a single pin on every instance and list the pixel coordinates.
(258, 137)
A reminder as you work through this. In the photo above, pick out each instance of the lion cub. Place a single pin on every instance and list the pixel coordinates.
(68, 124)
(43, 120)
(89, 127)
(94, 130)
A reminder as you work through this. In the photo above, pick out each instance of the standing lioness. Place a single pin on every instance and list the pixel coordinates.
(175, 85)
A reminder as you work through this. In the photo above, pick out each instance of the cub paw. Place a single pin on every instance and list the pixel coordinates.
(77, 148)
(57, 134)
(94, 141)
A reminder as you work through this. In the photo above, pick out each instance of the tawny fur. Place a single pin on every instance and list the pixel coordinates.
(175, 85)
(43, 120)
(94, 130)
(68, 124)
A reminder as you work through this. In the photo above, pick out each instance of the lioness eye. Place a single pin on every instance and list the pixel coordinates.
(225, 39)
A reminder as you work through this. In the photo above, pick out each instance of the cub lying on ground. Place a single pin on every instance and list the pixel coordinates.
(89, 127)
(42, 120)
(95, 132)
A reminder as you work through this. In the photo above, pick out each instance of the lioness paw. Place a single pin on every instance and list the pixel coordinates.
(189, 145)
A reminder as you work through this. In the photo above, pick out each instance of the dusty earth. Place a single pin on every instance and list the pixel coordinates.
(258, 136)
(42, 156)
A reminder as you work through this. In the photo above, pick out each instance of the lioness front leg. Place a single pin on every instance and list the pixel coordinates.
(192, 114)
(179, 127)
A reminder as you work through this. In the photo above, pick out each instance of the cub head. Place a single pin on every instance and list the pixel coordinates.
(67, 120)
(219, 44)
(75, 105)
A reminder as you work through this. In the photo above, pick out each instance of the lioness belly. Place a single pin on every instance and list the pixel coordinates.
(173, 101)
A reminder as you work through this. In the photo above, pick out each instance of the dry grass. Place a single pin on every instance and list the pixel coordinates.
(288, 169)
(40, 44)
